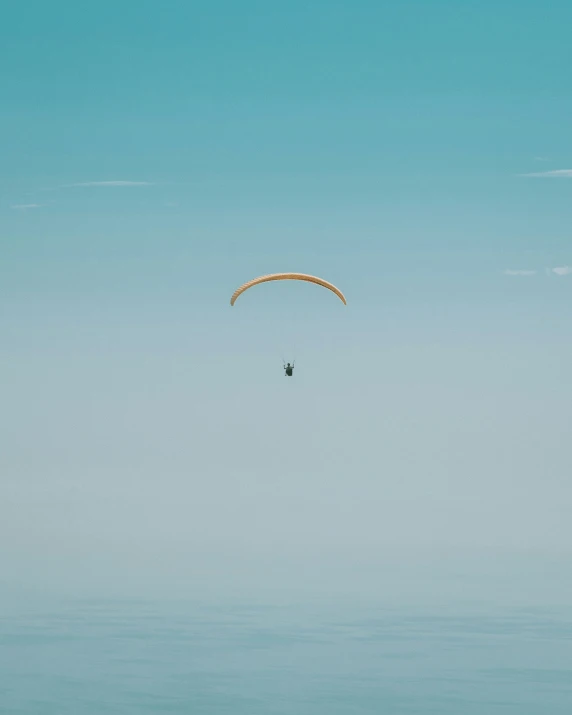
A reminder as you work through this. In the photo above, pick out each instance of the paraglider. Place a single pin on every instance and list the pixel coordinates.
(287, 277)
(288, 368)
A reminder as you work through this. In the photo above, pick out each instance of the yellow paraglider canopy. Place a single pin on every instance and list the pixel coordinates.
(288, 277)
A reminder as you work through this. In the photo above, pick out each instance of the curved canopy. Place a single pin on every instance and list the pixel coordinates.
(287, 277)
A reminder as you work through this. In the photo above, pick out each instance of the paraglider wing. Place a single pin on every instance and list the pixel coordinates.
(288, 277)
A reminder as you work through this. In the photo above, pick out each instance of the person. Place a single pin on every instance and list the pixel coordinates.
(288, 369)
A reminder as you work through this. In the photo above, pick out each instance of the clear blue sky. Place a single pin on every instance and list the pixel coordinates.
(155, 155)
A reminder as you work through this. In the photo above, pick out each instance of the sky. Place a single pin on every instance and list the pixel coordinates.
(155, 156)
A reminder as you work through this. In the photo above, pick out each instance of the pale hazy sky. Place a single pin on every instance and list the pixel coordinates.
(157, 155)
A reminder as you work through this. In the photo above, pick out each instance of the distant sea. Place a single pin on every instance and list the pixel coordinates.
(130, 657)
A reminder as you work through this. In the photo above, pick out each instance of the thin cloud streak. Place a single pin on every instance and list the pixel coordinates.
(518, 272)
(562, 270)
(23, 207)
(556, 174)
(110, 183)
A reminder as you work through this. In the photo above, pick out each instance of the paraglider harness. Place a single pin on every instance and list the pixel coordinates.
(288, 369)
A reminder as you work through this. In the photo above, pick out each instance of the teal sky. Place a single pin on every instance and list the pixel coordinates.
(157, 155)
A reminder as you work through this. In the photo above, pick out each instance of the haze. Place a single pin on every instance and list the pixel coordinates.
(418, 156)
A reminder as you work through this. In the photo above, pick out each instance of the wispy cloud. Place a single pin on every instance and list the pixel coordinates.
(562, 270)
(24, 207)
(556, 174)
(110, 183)
(557, 270)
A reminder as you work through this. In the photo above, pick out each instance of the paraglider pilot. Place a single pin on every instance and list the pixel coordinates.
(288, 369)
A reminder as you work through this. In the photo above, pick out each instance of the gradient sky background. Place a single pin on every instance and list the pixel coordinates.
(157, 155)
